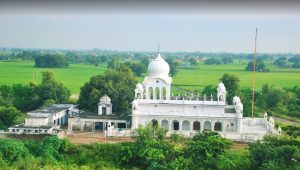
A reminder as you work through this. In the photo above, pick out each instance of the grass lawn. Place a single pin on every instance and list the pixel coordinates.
(195, 78)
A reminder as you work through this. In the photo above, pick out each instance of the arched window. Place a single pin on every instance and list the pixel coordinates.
(175, 125)
(186, 125)
(103, 110)
(196, 126)
(151, 93)
(154, 122)
(164, 93)
(207, 126)
(165, 124)
(218, 126)
(157, 93)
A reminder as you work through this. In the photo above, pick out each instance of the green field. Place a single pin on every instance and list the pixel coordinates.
(202, 75)
(194, 78)
(72, 77)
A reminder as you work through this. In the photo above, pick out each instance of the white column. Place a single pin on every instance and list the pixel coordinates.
(168, 92)
(160, 94)
(69, 125)
(213, 125)
(170, 125)
(81, 125)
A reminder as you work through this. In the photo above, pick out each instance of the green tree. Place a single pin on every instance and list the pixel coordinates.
(150, 150)
(137, 68)
(227, 60)
(114, 63)
(12, 150)
(8, 116)
(260, 66)
(51, 61)
(26, 97)
(281, 62)
(5, 95)
(204, 149)
(212, 61)
(118, 84)
(274, 153)
(173, 66)
(231, 83)
(209, 89)
(193, 61)
(51, 89)
(145, 61)
(233, 160)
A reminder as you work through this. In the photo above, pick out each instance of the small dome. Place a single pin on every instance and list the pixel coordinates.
(105, 99)
(139, 86)
(158, 67)
(221, 87)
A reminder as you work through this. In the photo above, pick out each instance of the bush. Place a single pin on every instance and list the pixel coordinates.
(12, 150)
(233, 160)
(283, 153)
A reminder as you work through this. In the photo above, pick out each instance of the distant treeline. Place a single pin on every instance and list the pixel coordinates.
(51, 61)
(97, 56)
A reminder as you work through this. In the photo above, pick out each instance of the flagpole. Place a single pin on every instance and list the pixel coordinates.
(254, 71)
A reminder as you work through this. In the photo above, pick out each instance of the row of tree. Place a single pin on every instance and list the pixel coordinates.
(283, 62)
(216, 61)
(152, 150)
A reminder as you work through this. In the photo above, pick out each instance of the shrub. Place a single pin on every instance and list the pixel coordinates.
(12, 150)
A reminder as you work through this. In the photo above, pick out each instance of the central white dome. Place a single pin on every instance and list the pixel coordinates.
(158, 67)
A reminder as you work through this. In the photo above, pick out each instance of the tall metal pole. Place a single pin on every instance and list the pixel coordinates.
(254, 70)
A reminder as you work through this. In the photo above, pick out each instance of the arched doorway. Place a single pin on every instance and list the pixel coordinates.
(165, 124)
(218, 126)
(207, 126)
(186, 125)
(175, 125)
(154, 122)
(196, 126)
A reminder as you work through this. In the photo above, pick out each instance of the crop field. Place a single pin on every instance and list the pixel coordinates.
(194, 78)
(72, 77)
(198, 77)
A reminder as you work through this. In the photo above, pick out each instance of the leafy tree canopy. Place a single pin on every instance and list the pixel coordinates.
(8, 116)
(118, 84)
(51, 61)
(260, 66)
(212, 61)
(231, 83)
(173, 66)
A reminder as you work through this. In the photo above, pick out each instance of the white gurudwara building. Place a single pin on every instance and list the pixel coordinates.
(189, 114)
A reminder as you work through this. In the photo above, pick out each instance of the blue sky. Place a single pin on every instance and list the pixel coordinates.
(207, 32)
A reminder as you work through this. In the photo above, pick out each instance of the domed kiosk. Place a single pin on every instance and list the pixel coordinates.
(157, 84)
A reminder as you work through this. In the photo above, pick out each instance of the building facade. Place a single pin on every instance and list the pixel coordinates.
(154, 104)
